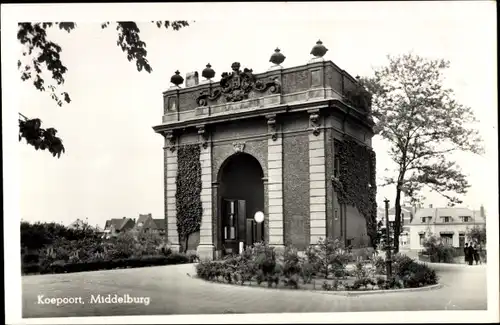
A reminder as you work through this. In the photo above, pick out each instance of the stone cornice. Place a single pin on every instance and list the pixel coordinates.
(320, 105)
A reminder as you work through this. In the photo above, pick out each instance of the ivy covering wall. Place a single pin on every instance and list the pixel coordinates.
(187, 197)
(356, 182)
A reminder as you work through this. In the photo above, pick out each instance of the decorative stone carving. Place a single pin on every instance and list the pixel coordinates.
(208, 73)
(239, 146)
(319, 50)
(170, 137)
(236, 86)
(272, 127)
(202, 132)
(277, 58)
(177, 78)
(206, 96)
(315, 122)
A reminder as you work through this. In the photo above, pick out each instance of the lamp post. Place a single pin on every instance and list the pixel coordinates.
(388, 261)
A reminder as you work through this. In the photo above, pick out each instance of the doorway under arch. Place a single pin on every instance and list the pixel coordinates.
(241, 195)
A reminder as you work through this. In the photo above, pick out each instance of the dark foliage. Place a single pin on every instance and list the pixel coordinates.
(42, 56)
(38, 235)
(189, 207)
(132, 262)
(356, 184)
(41, 139)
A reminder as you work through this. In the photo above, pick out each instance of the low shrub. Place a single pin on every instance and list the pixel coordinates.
(361, 254)
(334, 286)
(363, 282)
(412, 273)
(328, 256)
(291, 267)
(263, 265)
(380, 265)
(437, 251)
(306, 271)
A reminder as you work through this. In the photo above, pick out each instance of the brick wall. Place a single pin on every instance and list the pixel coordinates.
(296, 189)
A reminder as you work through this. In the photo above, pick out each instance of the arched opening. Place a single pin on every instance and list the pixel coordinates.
(241, 195)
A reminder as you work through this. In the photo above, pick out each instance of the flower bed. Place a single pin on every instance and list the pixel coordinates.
(324, 267)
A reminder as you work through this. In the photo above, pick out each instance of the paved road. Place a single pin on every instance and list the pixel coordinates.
(172, 291)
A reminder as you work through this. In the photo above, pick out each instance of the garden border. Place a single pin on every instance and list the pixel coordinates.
(336, 293)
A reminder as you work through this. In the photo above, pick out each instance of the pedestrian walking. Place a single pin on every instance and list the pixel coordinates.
(470, 254)
(466, 253)
(476, 254)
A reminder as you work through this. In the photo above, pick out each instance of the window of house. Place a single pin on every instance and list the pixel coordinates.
(421, 237)
(446, 219)
(466, 218)
(461, 240)
(423, 219)
(447, 239)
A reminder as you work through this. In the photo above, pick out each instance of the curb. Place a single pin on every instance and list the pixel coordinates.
(334, 293)
(373, 292)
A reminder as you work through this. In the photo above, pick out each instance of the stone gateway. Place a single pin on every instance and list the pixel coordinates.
(273, 142)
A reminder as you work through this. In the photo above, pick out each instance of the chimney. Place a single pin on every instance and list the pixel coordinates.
(483, 215)
(430, 206)
(192, 79)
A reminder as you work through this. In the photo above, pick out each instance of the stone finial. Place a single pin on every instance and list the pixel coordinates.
(177, 78)
(319, 50)
(208, 73)
(277, 58)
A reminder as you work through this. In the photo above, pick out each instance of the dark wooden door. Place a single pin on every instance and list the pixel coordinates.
(234, 225)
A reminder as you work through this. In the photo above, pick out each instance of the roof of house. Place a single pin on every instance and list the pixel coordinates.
(143, 218)
(117, 223)
(405, 210)
(160, 223)
(437, 213)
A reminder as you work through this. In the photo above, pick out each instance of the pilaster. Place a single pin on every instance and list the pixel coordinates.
(206, 246)
(275, 182)
(317, 178)
(171, 189)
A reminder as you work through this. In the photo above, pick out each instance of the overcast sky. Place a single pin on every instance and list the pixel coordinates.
(113, 166)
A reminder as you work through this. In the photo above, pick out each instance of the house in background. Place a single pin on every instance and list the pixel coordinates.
(116, 226)
(147, 223)
(450, 224)
(160, 225)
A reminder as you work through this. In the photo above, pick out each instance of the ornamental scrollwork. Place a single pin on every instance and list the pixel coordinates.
(235, 86)
(206, 96)
(272, 127)
(315, 123)
(170, 138)
(202, 132)
(238, 146)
